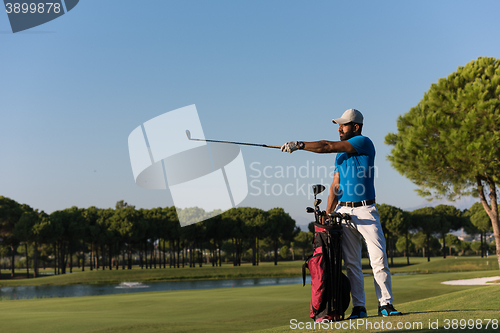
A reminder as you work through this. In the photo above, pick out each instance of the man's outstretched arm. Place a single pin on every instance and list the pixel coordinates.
(320, 147)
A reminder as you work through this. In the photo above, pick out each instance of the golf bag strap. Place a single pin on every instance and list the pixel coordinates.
(305, 265)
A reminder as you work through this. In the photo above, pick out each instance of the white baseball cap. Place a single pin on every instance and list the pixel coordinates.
(351, 115)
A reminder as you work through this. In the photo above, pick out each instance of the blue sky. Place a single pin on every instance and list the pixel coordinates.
(73, 89)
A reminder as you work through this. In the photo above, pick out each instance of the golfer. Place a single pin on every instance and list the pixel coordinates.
(353, 192)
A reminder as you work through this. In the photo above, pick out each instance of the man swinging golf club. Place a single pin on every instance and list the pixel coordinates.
(353, 192)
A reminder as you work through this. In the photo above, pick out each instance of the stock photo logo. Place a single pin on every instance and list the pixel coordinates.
(26, 14)
(205, 179)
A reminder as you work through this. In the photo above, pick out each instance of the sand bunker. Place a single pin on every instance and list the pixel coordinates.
(477, 282)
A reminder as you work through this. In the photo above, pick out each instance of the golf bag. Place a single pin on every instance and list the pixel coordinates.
(330, 290)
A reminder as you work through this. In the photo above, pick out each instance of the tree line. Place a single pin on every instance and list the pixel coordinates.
(429, 228)
(109, 238)
(114, 236)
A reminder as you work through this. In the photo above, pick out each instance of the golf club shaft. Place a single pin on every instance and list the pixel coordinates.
(240, 143)
(232, 142)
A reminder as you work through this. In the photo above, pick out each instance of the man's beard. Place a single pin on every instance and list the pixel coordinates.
(346, 136)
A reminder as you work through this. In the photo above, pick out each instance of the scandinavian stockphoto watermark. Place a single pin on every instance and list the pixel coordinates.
(382, 325)
(291, 180)
(26, 14)
(204, 179)
(357, 324)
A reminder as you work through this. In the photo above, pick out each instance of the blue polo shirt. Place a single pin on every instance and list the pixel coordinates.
(357, 171)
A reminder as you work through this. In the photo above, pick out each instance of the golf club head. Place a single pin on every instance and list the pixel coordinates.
(317, 189)
(310, 210)
(188, 134)
(335, 215)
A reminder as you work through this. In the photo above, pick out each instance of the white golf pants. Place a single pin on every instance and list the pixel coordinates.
(365, 223)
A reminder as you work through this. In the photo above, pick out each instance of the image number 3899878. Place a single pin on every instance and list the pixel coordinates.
(31, 13)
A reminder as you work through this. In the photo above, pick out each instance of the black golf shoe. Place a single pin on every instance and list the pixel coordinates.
(388, 310)
(358, 312)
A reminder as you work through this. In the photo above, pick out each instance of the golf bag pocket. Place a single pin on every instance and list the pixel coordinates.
(316, 267)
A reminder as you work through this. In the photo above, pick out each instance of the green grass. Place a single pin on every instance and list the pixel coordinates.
(431, 307)
(268, 309)
(438, 264)
(227, 271)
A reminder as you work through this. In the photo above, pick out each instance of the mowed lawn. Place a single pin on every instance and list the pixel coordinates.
(475, 309)
(270, 308)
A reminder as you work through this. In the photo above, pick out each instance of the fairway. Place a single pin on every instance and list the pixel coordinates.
(271, 308)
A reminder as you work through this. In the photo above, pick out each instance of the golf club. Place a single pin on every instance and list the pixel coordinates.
(188, 134)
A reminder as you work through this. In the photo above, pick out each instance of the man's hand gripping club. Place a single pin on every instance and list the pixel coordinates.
(292, 146)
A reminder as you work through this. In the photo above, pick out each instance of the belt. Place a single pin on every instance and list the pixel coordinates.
(357, 204)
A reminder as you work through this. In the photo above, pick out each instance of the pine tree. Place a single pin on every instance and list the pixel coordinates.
(449, 143)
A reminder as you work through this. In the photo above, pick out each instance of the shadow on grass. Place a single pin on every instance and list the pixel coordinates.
(449, 311)
(17, 276)
(6, 275)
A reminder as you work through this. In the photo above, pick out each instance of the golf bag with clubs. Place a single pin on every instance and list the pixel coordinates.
(330, 288)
